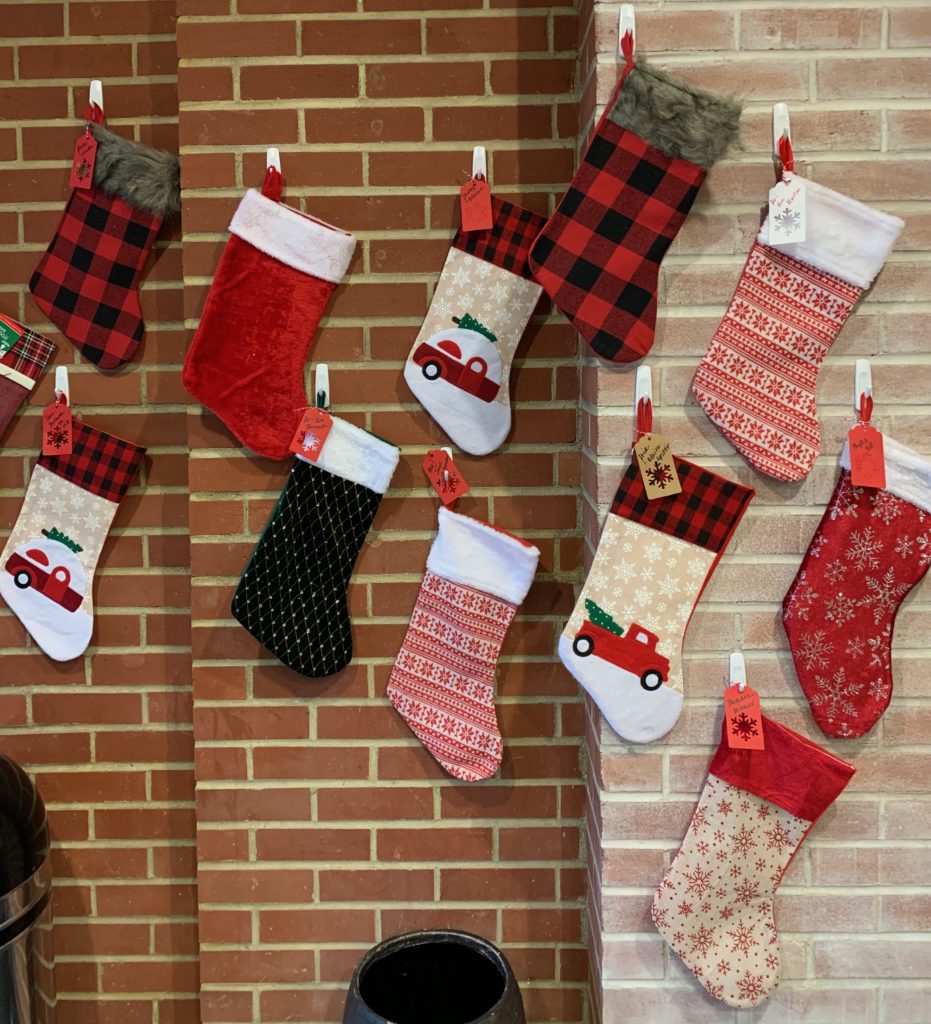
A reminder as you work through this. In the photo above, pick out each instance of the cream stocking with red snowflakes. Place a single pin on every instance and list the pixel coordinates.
(443, 681)
(757, 379)
(870, 549)
(714, 906)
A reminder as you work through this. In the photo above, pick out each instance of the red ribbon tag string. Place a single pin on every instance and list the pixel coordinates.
(866, 408)
(785, 153)
(644, 417)
(93, 114)
(627, 50)
(273, 185)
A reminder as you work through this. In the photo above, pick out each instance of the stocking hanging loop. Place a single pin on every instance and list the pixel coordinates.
(626, 33)
(273, 185)
(643, 401)
(782, 140)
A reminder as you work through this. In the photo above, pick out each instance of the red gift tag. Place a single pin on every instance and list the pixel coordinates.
(867, 463)
(475, 200)
(82, 167)
(743, 718)
(311, 434)
(56, 427)
(441, 471)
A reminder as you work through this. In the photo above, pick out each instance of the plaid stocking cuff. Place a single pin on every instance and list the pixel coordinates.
(507, 243)
(99, 462)
(27, 357)
(706, 512)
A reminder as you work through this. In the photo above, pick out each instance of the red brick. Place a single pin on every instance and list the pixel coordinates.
(320, 81)
(330, 36)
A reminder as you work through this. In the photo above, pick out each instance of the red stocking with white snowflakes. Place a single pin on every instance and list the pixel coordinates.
(870, 549)
(714, 905)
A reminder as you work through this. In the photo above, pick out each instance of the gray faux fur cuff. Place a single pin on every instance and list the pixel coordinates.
(146, 178)
(678, 119)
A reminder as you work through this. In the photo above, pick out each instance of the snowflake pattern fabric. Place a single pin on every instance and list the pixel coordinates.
(461, 376)
(652, 563)
(870, 549)
(48, 565)
(757, 380)
(715, 904)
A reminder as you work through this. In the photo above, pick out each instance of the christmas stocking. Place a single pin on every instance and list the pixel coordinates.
(460, 365)
(47, 574)
(715, 904)
(443, 679)
(276, 276)
(23, 356)
(870, 549)
(87, 282)
(757, 379)
(598, 256)
(623, 641)
(292, 596)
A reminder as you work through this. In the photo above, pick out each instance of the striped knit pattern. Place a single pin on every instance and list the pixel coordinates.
(442, 682)
(757, 379)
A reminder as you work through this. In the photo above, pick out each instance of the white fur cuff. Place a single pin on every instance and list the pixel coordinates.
(908, 474)
(292, 237)
(356, 455)
(844, 237)
(477, 555)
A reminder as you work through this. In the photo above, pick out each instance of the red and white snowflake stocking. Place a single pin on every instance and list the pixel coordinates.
(757, 379)
(714, 905)
(870, 549)
(275, 278)
(443, 679)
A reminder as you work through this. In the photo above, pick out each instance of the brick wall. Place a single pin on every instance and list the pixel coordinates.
(323, 826)
(854, 908)
(108, 737)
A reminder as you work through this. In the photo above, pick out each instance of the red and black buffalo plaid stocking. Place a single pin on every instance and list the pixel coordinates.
(275, 278)
(599, 254)
(460, 364)
(47, 567)
(872, 546)
(623, 642)
(714, 905)
(443, 680)
(23, 356)
(87, 282)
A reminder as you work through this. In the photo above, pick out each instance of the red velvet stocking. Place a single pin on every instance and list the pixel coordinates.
(277, 273)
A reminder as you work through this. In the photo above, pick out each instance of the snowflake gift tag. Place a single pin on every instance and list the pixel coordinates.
(787, 221)
(657, 466)
(743, 718)
(311, 434)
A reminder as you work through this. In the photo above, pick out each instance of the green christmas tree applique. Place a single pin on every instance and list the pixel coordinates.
(62, 538)
(467, 322)
(600, 617)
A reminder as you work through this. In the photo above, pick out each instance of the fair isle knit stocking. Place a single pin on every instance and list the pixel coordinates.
(714, 905)
(757, 379)
(443, 679)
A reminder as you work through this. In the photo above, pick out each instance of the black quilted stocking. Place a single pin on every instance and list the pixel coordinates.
(292, 596)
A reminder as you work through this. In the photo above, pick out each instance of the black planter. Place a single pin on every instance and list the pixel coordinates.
(434, 977)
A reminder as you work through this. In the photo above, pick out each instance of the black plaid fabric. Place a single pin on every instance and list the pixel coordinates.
(598, 256)
(292, 596)
(706, 512)
(87, 281)
(100, 463)
(507, 243)
(28, 355)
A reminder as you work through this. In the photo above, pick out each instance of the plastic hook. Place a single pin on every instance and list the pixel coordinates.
(62, 387)
(863, 383)
(322, 385)
(782, 138)
(273, 158)
(737, 671)
(626, 22)
(479, 163)
(449, 455)
(95, 96)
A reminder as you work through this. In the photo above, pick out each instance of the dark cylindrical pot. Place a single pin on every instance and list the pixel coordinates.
(434, 977)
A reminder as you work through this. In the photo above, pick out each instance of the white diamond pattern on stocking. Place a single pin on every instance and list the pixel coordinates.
(292, 596)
